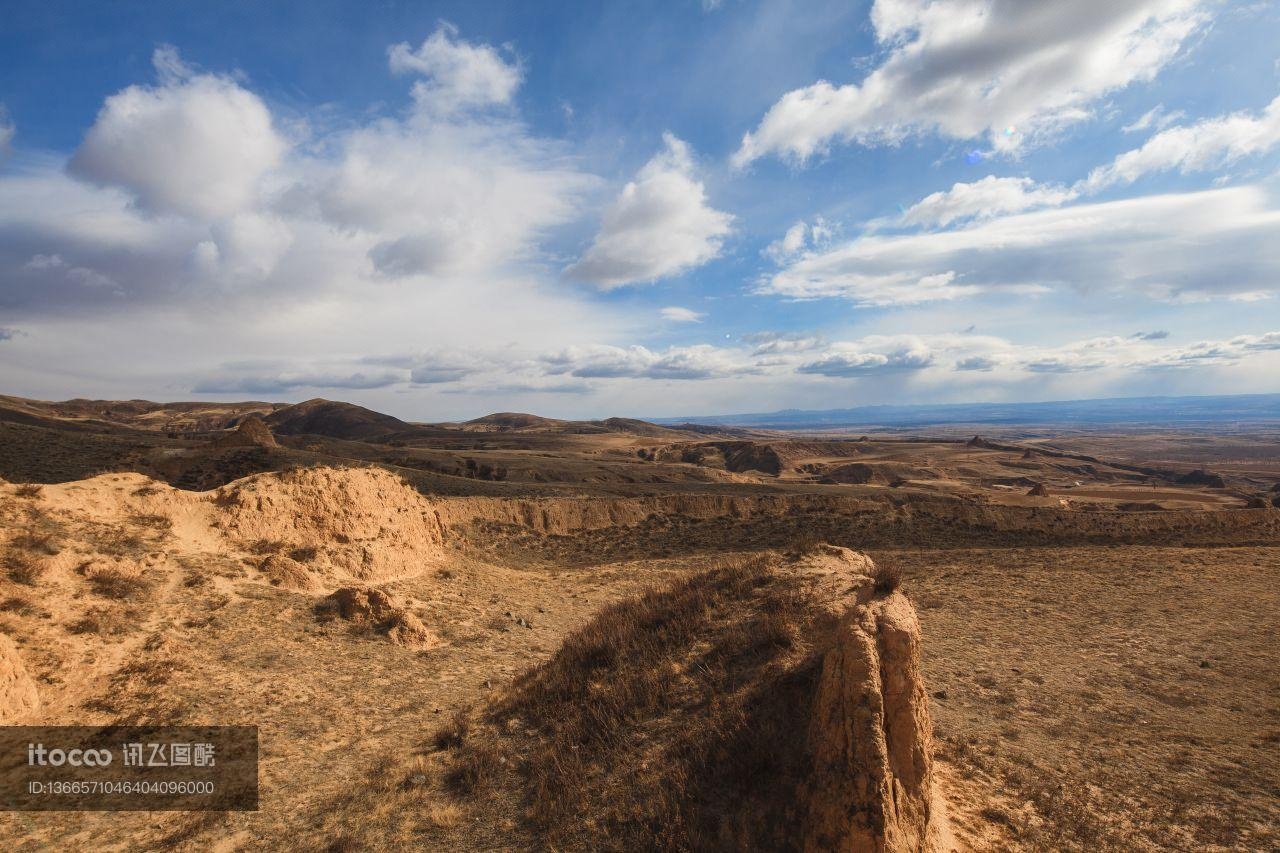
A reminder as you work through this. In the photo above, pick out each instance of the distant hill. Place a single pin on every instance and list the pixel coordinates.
(335, 420)
(1154, 411)
(115, 415)
(523, 422)
(513, 422)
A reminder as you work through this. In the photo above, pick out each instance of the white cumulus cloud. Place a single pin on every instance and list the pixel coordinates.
(659, 226)
(798, 239)
(1011, 69)
(194, 144)
(457, 74)
(983, 199)
(1209, 144)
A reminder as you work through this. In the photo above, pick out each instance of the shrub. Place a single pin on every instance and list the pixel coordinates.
(454, 732)
(29, 490)
(25, 570)
(263, 547)
(43, 543)
(18, 604)
(106, 622)
(158, 522)
(887, 577)
(473, 770)
(804, 543)
(120, 586)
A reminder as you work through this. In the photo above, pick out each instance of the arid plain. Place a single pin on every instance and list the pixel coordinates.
(515, 633)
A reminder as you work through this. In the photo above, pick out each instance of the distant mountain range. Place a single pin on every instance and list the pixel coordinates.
(1155, 411)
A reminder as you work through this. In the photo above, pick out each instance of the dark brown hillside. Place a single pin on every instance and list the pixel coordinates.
(335, 420)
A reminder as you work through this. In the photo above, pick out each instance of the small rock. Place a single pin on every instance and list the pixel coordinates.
(1204, 664)
(939, 694)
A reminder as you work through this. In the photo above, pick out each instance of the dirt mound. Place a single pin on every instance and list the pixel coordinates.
(1038, 491)
(406, 629)
(763, 705)
(335, 420)
(1201, 477)
(381, 612)
(363, 604)
(361, 523)
(18, 694)
(287, 573)
(743, 456)
(979, 441)
(856, 473)
(252, 432)
(874, 473)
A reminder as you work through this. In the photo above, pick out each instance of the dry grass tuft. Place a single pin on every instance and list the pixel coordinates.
(25, 569)
(106, 622)
(453, 733)
(20, 605)
(120, 542)
(473, 770)
(44, 542)
(264, 547)
(805, 543)
(121, 586)
(29, 490)
(887, 577)
(154, 522)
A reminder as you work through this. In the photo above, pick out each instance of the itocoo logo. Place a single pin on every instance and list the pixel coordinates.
(38, 755)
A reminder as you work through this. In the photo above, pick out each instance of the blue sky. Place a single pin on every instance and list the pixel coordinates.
(441, 210)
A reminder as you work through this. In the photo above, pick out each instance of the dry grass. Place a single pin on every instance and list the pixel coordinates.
(25, 569)
(121, 586)
(1174, 755)
(154, 522)
(667, 722)
(19, 604)
(804, 543)
(454, 732)
(29, 490)
(120, 542)
(887, 577)
(265, 547)
(474, 769)
(106, 622)
(37, 542)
